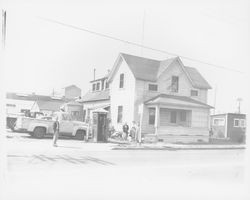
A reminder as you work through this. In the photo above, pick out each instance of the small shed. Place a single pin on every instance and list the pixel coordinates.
(230, 126)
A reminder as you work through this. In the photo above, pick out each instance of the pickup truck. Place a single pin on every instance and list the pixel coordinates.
(44, 126)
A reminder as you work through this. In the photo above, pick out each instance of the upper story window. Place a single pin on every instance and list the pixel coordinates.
(93, 87)
(121, 85)
(152, 87)
(175, 84)
(194, 93)
(98, 86)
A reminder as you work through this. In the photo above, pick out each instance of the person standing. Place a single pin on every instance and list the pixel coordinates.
(125, 129)
(56, 127)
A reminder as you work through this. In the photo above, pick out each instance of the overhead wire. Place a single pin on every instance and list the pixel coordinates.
(139, 45)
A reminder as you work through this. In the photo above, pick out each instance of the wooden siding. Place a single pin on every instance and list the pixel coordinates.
(184, 131)
(122, 96)
(200, 117)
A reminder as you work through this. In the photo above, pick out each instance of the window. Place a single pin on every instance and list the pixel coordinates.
(151, 119)
(84, 115)
(218, 121)
(119, 114)
(242, 123)
(194, 92)
(121, 81)
(93, 87)
(183, 116)
(236, 122)
(152, 87)
(98, 86)
(103, 84)
(10, 105)
(175, 84)
(173, 116)
(107, 85)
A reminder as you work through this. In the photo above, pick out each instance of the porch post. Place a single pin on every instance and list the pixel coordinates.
(157, 119)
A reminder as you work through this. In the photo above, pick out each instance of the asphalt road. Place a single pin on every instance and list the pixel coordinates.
(79, 170)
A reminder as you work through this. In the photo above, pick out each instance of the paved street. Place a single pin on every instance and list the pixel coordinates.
(93, 171)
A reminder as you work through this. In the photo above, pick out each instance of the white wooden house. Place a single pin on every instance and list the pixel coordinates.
(168, 98)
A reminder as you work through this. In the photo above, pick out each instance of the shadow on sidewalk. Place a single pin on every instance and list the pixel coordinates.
(35, 159)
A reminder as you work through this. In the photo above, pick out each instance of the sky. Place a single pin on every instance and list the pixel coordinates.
(41, 56)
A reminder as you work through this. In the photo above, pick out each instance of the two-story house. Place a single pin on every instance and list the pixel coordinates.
(166, 97)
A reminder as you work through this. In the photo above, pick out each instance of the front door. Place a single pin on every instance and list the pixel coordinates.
(101, 127)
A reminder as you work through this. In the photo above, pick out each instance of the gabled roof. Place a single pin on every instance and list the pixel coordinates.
(197, 79)
(142, 68)
(150, 69)
(95, 96)
(180, 98)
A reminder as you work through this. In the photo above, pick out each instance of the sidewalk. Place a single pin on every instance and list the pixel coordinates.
(174, 147)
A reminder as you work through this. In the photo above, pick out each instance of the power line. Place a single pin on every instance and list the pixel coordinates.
(139, 45)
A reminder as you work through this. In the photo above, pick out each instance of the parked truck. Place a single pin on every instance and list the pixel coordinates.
(39, 128)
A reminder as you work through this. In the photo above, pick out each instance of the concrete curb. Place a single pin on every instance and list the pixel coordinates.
(180, 147)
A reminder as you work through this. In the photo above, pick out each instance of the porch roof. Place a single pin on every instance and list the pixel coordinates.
(176, 100)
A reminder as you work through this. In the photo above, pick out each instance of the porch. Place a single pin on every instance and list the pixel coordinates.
(176, 120)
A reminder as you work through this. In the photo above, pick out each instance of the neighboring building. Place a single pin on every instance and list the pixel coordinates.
(20, 103)
(230, 126)
(166, 97)
(72, 92)
(96, 98)
(75, 109)
(47, 107)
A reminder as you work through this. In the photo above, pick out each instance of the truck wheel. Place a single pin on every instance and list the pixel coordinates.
(39, 132)
(80, 134)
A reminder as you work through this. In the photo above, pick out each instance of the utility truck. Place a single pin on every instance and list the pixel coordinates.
(40, 127)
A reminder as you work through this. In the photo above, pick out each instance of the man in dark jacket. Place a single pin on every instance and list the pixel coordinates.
(56, 131)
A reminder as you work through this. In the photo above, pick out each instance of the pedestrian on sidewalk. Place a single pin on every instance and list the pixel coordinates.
(125, 129)
(56, 127)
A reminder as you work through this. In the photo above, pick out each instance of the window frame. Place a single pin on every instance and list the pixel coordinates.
(192, 95)
(98, 86)
(240, 123)
(121, 81)
(152, 84)
(244, 121)
(94, 87)
(119, 114)
(175, 90)
(219, 118)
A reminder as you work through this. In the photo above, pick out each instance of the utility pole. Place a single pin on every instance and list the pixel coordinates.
(94, 73)
(215, 96)
(142, 38)
(239, 100)
(3, 28)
